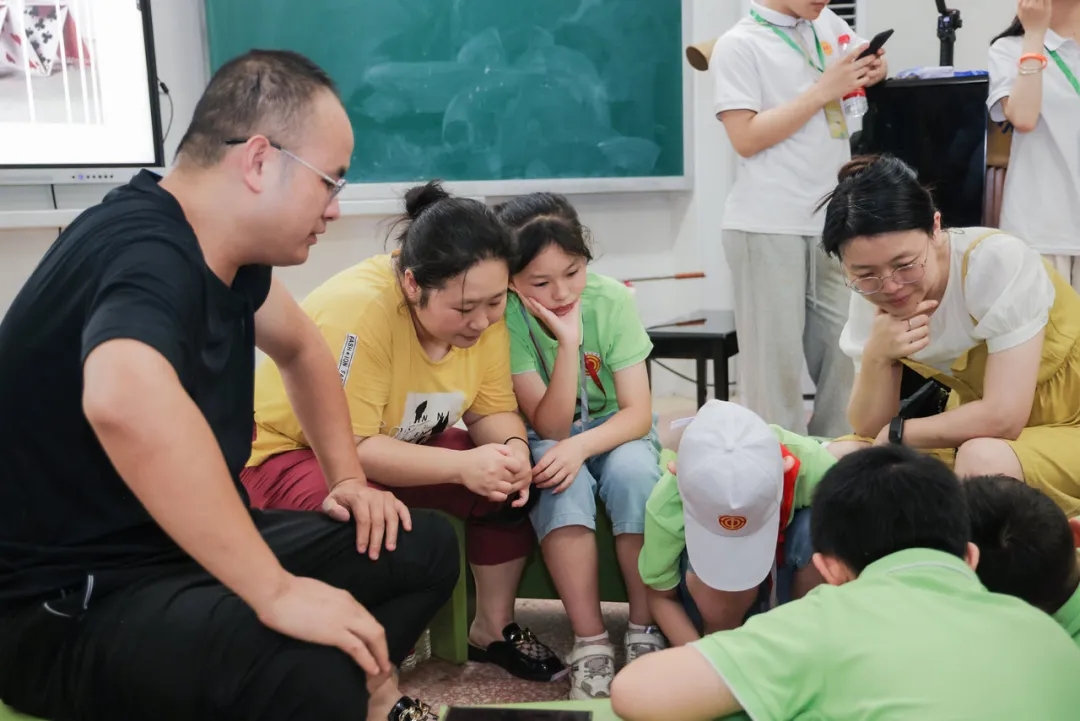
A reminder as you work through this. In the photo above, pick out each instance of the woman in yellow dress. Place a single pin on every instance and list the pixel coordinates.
(977, 310)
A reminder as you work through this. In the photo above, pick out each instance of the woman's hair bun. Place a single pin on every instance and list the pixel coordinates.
(856, 165)
(420, 197)
(876, 195)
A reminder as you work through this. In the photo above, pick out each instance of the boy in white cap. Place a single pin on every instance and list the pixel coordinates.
(737, 509)
(902, 629)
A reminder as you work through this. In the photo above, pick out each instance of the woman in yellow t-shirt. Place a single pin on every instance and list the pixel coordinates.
(422, 345)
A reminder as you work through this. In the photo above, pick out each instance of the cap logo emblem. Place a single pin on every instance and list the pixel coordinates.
(732, 523)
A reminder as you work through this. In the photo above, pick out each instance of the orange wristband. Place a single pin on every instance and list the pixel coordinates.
(1042, 59)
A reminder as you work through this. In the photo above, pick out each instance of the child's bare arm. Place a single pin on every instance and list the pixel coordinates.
(677, 684)
(633, 419)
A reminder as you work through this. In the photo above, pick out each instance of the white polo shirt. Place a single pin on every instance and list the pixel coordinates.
(777, 190)
(1041, 202)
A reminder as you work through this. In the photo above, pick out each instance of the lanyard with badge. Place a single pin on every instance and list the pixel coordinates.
(1069, 75)
(834, 112)
(583, 391)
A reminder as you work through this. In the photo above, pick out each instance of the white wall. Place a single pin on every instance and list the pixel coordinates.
(915, 43)
(635, 234)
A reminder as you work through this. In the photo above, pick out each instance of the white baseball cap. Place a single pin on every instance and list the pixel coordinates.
(731, 479)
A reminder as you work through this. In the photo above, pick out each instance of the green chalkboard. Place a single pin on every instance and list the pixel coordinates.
(486, 89)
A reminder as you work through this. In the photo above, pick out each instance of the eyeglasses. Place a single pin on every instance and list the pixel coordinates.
(904, 275)
(334, 185)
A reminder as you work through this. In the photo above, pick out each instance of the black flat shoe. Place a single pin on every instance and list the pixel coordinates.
(411, 709)
(522, 654)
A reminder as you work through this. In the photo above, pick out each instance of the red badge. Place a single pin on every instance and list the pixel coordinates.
(592, 367)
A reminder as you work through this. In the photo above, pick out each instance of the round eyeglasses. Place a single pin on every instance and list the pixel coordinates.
(904, 275)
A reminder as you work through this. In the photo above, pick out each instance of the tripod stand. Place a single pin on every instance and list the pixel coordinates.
(948, 23)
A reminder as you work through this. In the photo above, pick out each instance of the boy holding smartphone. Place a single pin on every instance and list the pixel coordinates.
(780, 80)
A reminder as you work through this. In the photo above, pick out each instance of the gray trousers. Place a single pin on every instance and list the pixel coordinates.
(787, 289)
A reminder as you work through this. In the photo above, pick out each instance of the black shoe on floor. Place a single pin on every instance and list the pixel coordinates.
(522, 654)
(411, 709)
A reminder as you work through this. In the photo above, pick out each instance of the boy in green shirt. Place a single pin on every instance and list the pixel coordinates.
(1027, 546)
(737, 509)
(903, 629)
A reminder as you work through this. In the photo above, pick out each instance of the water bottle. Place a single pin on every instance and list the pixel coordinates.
(855, 104)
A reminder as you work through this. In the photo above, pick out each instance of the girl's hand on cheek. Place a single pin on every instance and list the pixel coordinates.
(566, 329)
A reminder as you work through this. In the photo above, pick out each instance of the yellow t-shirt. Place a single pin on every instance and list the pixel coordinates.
(393, 387)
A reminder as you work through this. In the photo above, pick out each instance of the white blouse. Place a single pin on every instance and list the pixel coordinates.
(1008, 292)
(1041, 202)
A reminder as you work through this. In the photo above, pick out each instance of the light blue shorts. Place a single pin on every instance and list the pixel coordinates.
(798, 551)
(624, 477)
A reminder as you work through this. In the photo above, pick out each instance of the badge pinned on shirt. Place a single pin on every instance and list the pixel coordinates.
(592, 367)
(834, 115)
(826, 47)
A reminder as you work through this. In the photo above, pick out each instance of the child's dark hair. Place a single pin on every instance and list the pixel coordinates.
(876, 194)
(443, 236)
(1026, 546)
(1015, 30)
(539, 220)
(885, 499)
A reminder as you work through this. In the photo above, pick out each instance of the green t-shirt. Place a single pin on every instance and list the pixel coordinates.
(613, 338)
(1069, 616)
(665, 535)
(916, 636)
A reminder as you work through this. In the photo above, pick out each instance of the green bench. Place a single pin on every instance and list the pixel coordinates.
(450, 627)
(7, 714)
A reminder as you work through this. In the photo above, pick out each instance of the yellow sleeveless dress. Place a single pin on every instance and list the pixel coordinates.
(1049, 447)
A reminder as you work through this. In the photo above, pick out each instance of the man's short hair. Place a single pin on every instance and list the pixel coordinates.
(261, 91)
(885, 499)
(1026, 546)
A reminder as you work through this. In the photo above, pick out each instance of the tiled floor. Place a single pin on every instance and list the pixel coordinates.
(439, 683)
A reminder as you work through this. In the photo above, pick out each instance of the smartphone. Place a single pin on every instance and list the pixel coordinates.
(876, 44)
(461, 713)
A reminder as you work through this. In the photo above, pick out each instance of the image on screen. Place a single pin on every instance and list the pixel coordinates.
(77, 84)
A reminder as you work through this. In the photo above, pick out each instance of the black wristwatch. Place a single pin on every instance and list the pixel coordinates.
(896, 431)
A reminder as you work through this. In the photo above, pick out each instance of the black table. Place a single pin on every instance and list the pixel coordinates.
(714, 339)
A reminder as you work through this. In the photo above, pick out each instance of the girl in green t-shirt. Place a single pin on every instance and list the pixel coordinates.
(577, 354)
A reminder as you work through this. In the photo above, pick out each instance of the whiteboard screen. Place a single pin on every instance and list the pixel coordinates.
(77, 84)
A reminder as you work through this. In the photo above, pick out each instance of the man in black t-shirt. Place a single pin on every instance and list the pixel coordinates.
(134, 581)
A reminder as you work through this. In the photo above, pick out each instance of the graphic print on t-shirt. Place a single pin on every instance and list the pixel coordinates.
(592, 367)
(348, 352)
(427, 414)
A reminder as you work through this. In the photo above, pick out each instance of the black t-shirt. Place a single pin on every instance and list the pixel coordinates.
(130, 267)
